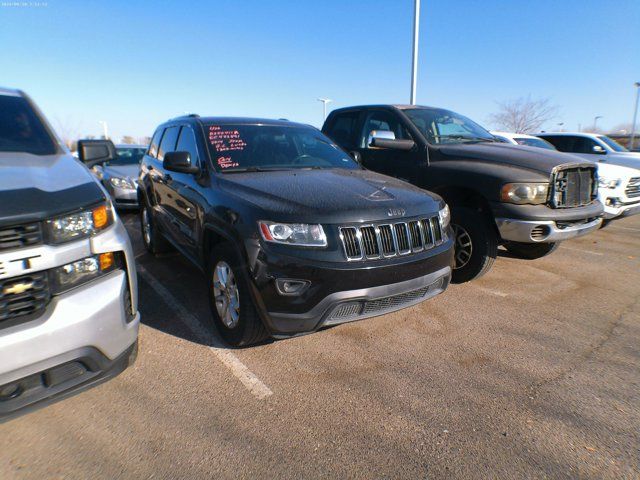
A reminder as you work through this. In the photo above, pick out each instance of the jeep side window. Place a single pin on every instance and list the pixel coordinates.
(343, 128)
(168, 143)
(155, 142)
(187, 143)
(382, 121)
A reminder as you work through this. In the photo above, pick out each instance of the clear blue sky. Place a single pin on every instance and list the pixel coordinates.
(136, 63)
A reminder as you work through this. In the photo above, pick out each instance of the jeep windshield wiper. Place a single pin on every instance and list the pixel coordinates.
(253, 169)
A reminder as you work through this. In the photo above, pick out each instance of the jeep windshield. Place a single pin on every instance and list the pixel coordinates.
(21, 130)
(444, 127)
(246, 148)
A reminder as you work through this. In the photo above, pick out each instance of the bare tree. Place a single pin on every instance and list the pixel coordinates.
(67, 130)
(523, 115)
(128, 139)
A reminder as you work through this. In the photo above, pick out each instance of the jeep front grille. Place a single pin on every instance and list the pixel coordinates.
(20, 236)
(633, 188)
(573, 187)
(391, 239)
(23, 296)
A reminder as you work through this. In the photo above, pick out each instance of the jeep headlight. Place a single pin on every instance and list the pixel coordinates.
(445, 217)
(79, 225)
(124, 183)
(302, 234)
(608, 182)
(525, 193)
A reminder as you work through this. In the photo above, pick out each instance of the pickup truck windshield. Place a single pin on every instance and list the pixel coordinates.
(21, 130)
(534, 142)
(615, 146)
(443, 126)
(241, 148)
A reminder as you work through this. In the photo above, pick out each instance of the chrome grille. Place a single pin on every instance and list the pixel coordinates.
(573, 187)
(633, 188)
(23, 296)
(20, 236)
(391, 239)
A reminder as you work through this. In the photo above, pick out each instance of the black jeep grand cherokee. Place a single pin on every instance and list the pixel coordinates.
(292, 234)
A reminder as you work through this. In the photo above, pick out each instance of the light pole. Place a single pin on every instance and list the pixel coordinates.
(414, 58)
(104, 129)
(324, 107)
(635, 115)
(595, 121)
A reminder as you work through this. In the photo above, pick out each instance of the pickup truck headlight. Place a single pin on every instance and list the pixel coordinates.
(445, 217)
(525, 193)
(607, 182)
(302, 234)
(82, 271)
(120, 182)
(79, 225)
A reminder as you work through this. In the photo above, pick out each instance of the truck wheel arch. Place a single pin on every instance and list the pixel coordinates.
(469, 198)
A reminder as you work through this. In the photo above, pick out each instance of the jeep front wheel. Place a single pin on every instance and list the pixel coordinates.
(232, 308)
(476, 244)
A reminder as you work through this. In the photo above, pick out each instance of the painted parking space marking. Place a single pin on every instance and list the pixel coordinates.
(491, 291)
(226, 356)
(573, 249)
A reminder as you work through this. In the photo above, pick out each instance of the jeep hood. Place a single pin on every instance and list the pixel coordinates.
(530, 158)
(36, 187)
(329, 196)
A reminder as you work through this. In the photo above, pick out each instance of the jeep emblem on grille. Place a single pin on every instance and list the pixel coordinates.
(396, 212)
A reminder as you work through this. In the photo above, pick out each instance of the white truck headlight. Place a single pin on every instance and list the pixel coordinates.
(85, 270)
(525, 193)
(302, 234)
(120, 182)
(79, 225)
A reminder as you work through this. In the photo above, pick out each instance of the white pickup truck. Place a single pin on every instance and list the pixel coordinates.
(618, 186)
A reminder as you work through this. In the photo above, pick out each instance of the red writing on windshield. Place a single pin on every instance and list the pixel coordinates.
(225, 140)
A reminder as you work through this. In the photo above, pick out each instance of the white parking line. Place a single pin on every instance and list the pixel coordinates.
(582, 251)
(491, 291)
(233, 363)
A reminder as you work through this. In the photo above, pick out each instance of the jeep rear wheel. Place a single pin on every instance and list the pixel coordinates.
(476, 244)
(232, 308)
(153, 240)
(530, 251)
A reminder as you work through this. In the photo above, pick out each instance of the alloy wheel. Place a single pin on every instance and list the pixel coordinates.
(226, 295)
(463, 246)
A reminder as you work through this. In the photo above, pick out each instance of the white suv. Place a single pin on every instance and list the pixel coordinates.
(68, 291)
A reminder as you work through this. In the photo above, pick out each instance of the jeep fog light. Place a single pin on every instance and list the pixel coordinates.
(287, 286)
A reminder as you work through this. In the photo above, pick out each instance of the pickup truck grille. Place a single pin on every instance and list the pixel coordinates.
(574, 187)
(20, 236)
(391, 239)
(633, 188)
(23, 296)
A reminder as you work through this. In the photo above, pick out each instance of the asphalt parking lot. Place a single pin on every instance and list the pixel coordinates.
(532, 371)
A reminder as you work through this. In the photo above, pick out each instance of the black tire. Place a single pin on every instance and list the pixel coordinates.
(476, 245)
(531, 251)
(154, 241)
(249, 328)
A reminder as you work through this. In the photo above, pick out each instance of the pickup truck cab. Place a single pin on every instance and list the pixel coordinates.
(526, 198)
(592, 146)
(291, 233)
(68, 293)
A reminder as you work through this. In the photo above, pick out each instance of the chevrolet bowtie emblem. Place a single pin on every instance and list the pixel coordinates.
(17, 288)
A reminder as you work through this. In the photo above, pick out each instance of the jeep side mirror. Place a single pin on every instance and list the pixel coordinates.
(179, 162)
(94, 152)
(599, 150)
